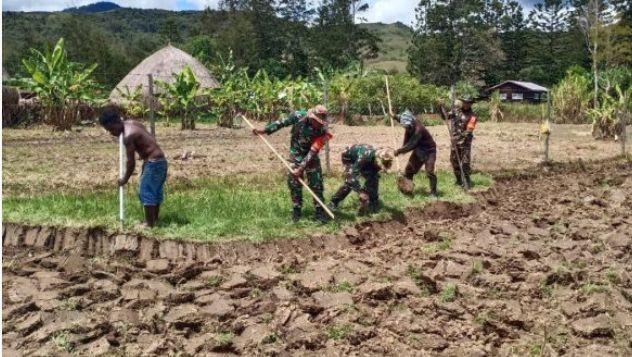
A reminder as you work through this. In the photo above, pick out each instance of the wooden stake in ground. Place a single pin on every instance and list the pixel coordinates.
(121, 174)
(390, 112)
(287, 165)
(152, 120)
(545, 129)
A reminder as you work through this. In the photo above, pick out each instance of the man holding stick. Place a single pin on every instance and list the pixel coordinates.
(461, 122)
(154, 172)
(424, 152)
(308, 136)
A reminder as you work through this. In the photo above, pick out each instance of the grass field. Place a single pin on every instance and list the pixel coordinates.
(252, 207)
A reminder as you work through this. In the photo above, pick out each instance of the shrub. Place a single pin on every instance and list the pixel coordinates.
(571, 98)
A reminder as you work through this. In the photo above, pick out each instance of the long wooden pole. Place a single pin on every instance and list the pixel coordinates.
(287, 165)
(121, 174)
(152, 119)
(327, 157)
(390, 112)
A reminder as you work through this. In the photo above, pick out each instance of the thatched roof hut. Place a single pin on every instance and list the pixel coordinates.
(163, 64)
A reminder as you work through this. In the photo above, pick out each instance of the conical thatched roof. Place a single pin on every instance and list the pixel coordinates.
(162, 65)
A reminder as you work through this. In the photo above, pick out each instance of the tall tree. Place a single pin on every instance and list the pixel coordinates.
(514, 39)
(550, 20)
(337, 40)
(453, 41)
(298, 15)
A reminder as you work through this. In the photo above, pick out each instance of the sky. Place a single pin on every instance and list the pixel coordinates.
(386, 11)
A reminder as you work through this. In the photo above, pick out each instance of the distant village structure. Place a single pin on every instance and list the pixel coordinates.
(518, 91)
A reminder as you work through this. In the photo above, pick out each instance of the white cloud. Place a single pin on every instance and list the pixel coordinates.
(390, 11)
(57, 5)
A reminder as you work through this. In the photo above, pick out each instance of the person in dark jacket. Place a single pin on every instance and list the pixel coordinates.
(419, 141)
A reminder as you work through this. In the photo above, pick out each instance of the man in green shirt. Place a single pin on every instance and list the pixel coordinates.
(308, 136)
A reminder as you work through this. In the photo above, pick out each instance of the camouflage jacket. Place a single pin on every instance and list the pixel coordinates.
(305, 140)
(355, 158)
(463, 125)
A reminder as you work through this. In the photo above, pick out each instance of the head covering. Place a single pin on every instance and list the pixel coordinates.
(385, 157)
(466, 99)
(318, 113)
(406, 119)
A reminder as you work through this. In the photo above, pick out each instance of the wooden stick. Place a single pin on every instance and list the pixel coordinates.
(287, 165)
(390, 111)
(121, 174)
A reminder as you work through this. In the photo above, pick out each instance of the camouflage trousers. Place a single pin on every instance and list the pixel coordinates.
(371, 186)
(464, 152)
(314, 178)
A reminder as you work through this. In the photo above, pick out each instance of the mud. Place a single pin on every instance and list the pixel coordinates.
(540, 265)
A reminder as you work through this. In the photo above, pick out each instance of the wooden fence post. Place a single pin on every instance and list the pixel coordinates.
(327, 161)
(152, 119)
(624, 135)
(546, 130)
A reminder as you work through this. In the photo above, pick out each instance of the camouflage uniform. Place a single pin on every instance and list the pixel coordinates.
(303, 136)
(359, 160)
(462, 125)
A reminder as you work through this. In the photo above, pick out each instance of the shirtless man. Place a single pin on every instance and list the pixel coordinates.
(154, 172)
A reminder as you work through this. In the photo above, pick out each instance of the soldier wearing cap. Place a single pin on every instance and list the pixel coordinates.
(424, 152)
(308, 136)
(363, 160)
(462, 123)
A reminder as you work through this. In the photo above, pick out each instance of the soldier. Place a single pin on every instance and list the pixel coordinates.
(308, 136)
(424, 152)
(366, 161)
(462, 123)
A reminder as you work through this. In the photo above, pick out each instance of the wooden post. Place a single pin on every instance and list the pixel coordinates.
(152, 119)
(390, 112)
(625, 114)
(547, 128)
(327, 157)
(121, 174)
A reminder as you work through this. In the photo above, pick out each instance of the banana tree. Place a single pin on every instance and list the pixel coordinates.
(183, 93)
(61, 86)
(133, 102)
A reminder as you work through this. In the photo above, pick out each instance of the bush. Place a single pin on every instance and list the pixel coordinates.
(571, 98)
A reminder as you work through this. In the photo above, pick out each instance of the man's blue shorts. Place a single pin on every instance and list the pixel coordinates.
(152, 180)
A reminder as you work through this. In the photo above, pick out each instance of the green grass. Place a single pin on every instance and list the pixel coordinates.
(222, 208)
(338, 332)
(449, 293)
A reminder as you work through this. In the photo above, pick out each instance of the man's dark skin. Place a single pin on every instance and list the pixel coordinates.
(137, 140)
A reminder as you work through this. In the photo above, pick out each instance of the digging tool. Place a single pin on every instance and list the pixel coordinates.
(121, 174)
(390, 116)
(287, 165)
(453, 143)
(403, 184)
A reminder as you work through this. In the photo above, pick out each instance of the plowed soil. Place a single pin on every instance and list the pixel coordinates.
(541, 266)
(37, 161)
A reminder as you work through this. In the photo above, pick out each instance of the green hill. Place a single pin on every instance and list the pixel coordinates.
(119, 39)
(393, 56)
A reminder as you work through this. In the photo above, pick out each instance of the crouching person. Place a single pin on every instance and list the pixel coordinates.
(154, 172)
(365, 161)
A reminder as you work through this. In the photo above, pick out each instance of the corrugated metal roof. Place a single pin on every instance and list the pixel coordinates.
(528, 85)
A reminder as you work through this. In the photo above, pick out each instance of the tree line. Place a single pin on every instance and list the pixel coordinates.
(478, 41)
(486, 41)
(284, 37)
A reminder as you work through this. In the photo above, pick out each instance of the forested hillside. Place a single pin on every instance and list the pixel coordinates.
(479, 42)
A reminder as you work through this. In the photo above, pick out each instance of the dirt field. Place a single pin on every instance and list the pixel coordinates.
(36, 160)
(540, 266)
